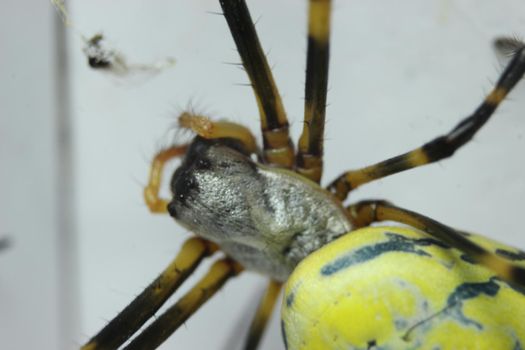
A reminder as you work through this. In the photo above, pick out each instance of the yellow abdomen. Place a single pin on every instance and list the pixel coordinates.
(396, 288)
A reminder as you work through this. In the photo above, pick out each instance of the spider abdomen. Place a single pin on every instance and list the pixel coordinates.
(396, 288)
(266, 218)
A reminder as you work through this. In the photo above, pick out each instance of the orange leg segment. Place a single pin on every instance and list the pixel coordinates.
(151, 191)
(208, 129)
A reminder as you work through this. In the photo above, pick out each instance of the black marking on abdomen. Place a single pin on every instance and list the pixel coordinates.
(507, 254)
(395, 243)
(472, 290)
(467, 291)
(454, 308)
(290, 299)
(468, 259)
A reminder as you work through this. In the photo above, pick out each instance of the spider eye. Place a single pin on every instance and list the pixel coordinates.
(182, 183)
(203, 164)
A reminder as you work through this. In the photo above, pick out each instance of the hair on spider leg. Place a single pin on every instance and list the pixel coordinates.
(243, 84)
(216, 13)
(177, 134)
(257, 21)
(235, 64)
(508, 45)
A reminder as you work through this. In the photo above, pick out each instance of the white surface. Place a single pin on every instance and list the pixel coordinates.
(30, 303)
(401, 74)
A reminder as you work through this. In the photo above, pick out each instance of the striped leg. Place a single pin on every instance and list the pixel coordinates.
(264, 311)
(167, 323)
(278, 148)
(129, 320)
(366, 212)
(443, 146)
(309, 160)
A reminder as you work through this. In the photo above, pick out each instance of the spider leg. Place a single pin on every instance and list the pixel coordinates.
(278, 148)
(443, 146)
(208, 129)
(151, 191)
(309, 160)
(129, 320)
(167, 323)
(264, 311)
(366, 212)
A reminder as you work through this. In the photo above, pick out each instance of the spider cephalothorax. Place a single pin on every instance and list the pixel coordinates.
(266, 218)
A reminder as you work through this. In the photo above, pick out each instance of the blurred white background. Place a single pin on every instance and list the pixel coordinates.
(75, 144)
